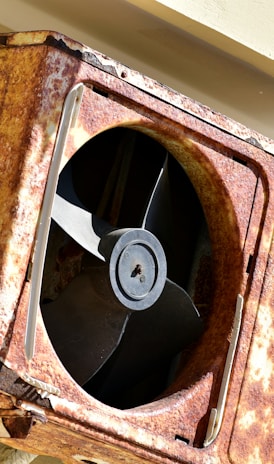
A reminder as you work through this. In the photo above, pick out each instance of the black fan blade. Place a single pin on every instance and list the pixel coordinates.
(152, 337)
(173, 214)
(158, 211)
(81, 225)
(84, 324)
(72, 216)
(90, 329)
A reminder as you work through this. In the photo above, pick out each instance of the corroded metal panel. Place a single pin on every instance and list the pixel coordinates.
(232, 171)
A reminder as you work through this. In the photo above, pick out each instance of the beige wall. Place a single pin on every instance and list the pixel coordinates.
(241, 28)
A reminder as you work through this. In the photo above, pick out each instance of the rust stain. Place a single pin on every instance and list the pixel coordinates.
(233, 177)
(18, 427)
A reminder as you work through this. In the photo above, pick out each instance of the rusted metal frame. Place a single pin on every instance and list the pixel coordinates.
(27, 166)
(216, 414)
(254, 304)
(43, 389)
(16, 389)
(16, 426)
(120, 445)
(253, 293)
(119, 431)
(140, 82)
(77, 443)
(21, 169)
(255, 401)
(162, 453)
(18, 420)
(167, 95)
(120, 86)
(71, 107)
(261, 169)
(266, 210)
(217, 138)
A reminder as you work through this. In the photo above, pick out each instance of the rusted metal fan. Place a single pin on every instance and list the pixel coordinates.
(126, 312)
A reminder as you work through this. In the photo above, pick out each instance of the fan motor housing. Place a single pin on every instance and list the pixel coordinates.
(56, 96)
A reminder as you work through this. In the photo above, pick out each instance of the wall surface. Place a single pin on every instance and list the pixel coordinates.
(217, 52)
(243, 29)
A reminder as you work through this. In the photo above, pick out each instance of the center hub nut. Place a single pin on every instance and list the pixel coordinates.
(137, 269)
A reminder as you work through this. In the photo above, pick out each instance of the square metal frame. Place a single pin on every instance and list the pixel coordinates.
(56, 94)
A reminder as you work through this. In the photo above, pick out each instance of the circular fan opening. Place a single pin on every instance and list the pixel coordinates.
(126, 358)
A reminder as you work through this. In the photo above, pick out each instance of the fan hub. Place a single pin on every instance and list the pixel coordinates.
(137, 268)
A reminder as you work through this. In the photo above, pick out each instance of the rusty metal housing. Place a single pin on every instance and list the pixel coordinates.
(56, 96)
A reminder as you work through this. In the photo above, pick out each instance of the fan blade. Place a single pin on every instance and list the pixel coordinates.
(174, 215)
(72, 216)
(156, 218)
(152, 337)
(85, 324)
(159, 219)
(81, 225)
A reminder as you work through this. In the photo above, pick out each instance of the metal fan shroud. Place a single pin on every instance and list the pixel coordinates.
(74, 93)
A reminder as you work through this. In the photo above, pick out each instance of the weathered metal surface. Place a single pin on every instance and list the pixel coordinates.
(234, 181)
(17, 427)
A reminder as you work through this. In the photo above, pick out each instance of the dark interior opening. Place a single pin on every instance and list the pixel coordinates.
(116, 176)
